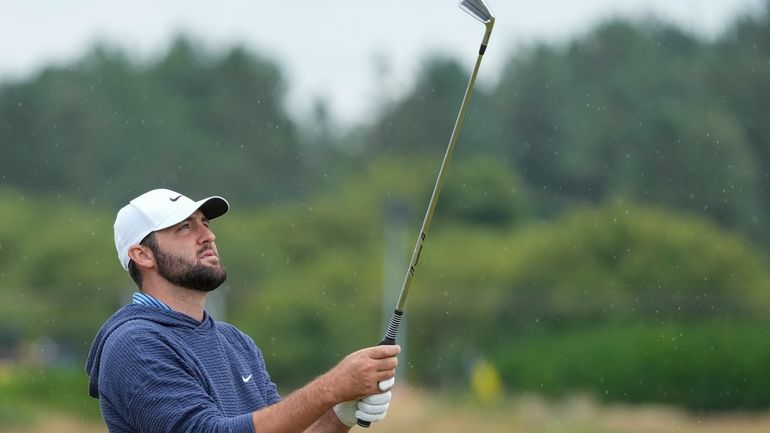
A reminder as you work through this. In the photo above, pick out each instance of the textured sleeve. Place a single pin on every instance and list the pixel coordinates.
(156, 390)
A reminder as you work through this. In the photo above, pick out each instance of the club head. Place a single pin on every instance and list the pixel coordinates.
(477, 9)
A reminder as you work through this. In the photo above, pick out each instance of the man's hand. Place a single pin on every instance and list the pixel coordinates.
(371, 409)
(359, 374)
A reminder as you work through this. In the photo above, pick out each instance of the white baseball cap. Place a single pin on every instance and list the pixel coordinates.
(156, 210)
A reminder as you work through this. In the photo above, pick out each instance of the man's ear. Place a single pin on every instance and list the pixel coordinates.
(141, 255)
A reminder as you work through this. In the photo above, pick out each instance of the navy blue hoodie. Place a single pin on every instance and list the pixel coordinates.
(162, 371)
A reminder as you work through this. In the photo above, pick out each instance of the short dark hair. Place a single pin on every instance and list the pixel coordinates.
(150, 242)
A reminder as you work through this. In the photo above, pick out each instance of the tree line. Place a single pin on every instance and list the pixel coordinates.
(638, 110)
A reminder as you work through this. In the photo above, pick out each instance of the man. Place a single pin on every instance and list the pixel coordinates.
(162, 364)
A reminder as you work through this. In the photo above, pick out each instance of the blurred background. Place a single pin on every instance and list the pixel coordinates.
(598, 260)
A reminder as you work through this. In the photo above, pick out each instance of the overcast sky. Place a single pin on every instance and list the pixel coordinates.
(331, 49)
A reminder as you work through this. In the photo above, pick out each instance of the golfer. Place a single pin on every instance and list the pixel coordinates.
(163, 364)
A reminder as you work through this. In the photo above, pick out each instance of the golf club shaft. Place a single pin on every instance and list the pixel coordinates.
(437, 188)
(395, 319)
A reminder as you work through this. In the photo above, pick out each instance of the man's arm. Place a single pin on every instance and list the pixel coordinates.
(328, 423)
(307, 409)
(310, 408)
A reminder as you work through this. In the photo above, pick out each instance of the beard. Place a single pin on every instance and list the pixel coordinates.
(184, 272)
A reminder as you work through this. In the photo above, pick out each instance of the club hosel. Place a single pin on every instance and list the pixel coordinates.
(487, 34)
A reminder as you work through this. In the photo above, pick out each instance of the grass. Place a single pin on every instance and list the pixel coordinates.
(414, 411)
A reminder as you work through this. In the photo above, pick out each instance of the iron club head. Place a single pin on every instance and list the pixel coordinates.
(477, 9)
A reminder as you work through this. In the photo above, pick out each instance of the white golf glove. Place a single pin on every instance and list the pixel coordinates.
(372, 408)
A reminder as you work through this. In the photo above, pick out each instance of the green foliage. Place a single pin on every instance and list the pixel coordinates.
(631, 110)
(423, 120)
(479, 289)
(57, 262)
(24, 391)
(703, 367)
(104, 128)
(482, 190)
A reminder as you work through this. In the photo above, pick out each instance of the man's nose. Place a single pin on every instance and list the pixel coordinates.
(207, 235)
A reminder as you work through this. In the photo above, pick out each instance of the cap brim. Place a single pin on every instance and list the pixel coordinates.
(213, 207)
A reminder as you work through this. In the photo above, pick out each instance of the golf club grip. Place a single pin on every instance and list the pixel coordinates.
(389, 340)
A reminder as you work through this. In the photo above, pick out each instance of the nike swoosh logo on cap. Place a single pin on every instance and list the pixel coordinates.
(246, 378)
(175, 198)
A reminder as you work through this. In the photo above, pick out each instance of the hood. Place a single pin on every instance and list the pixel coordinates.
(169, 319)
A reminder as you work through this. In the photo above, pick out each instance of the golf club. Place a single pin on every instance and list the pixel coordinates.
(479, 10)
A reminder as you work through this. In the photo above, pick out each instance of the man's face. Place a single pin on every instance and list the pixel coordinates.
(187, 256)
